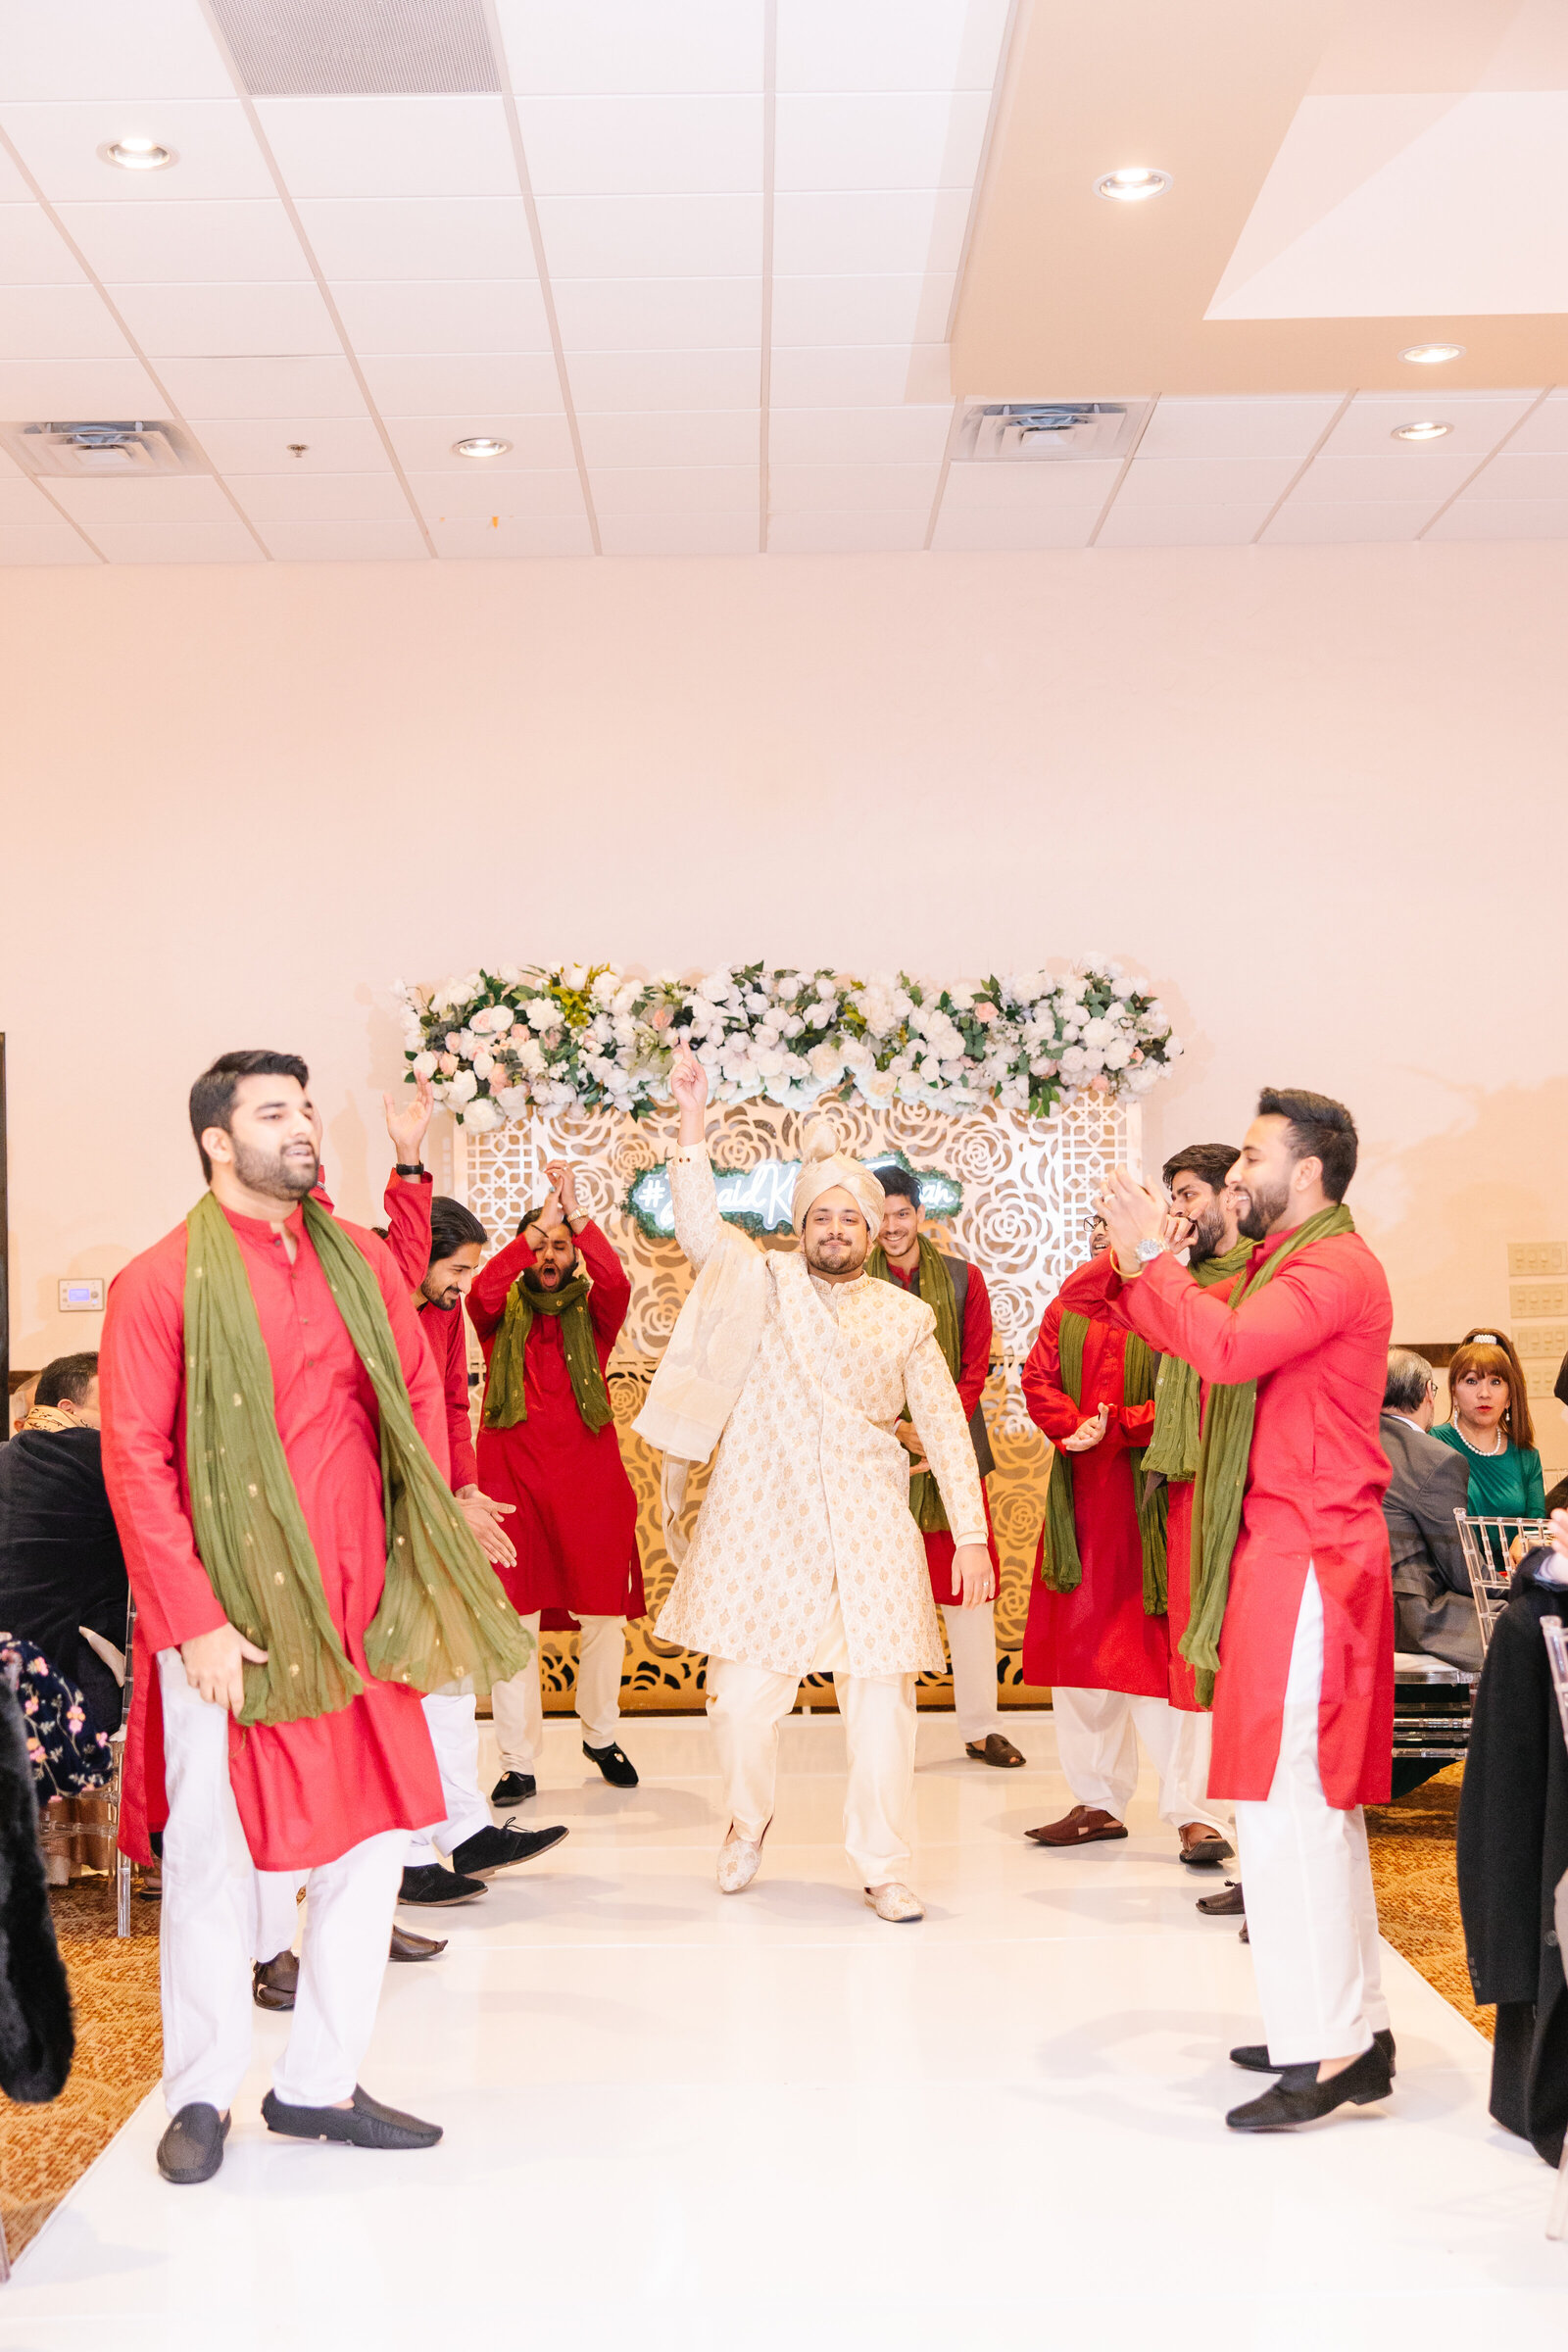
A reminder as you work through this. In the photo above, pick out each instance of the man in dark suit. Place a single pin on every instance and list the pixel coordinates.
(1435, 1610)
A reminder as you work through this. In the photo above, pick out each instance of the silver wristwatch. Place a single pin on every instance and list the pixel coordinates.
(1150, 1248)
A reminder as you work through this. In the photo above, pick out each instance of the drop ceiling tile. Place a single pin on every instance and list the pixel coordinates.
(678, 534)
(445, 146)
(1521, 473)
(1205, 525)
(1479, 420)
(816, 311)
(254, 390)
(907, 140)
(858, 436)
(345, 542)
(704, 438)
(269, 497)
(651, 236)
(996, 532)
(1431, 473)
(227, 321)
(874, 234)
(420, 236)
(427, 318)
(1474, 517)
(1262, 427)
(33, 252)
(862, 375)
(474, 498)
(659, 314)
(151, 498)
(42, 543)
(558, 48)
(99, 48)
(426, 442)
(1329, 524)
(691, 146)
(829, 489)
(1255, 482)
(20, 501)
(58, 322)
(217, 156)
(515, 384)
(674, 490)
(514, 538)
(853, 532)
(1546, 430)
(888, 44)
(632, 382)
(1021, 488)
(144, 244)
(177, 542)
(332, 443)
(37, 388)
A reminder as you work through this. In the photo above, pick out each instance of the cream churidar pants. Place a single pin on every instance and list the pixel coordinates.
(1311, 1909)
(518, 1705)
(1097, 1745)
(746, 1705)
(972, 1649)
(455, 1737)
(211, 1920)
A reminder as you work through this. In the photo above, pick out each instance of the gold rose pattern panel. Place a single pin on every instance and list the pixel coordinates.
(1028, 1191)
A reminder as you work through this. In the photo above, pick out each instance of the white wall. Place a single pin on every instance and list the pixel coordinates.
(1317, 794)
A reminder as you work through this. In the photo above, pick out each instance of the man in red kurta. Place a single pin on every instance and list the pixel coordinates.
(1303, 1702)
(576, 1515)
(335, 1794)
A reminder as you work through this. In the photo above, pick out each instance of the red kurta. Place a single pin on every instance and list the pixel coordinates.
(407, 1202)
(307, 1791)
(974, 1369)
(1316, 1340)
(1098, 1637)
(575, 1527)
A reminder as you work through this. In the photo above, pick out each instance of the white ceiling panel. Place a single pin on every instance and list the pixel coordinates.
(1264, 428)
(33, 252)
(686, 534)
(473, 496)
(1081, 485)
(14, 190)
(427, 443)
(923, 139)
(254, 390)
(560, 48)
(1205, 525)
(20, 501)
(659, 314)
(391, 146)
(332, 445)
(517, 384)
(420, 236)
(631, 381)
(346, 541)
(691, 146)
(674, 490)
(42, 543)
(58, 322)
(99, 48)
(32, 389)
(829, 311)
(153, 498)
(862, 375)
(830, 489)
(269, 497)
(514, 538)
(855, 532)
(1431, 473)
(418, 317)
(217, 156)
(888, 44)
(1522, 474)
(1299, 526)
(1190, 482)
(229, 321)
(651, 236)
(705, 437)
(177, 542)
(142, 244)
(995, 532)
(1479, 420)
(872, 233)
(1545, 432)
(1502, 519)
(858, 436)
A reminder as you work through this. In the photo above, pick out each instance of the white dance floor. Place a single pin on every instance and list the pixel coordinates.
(679, 2119)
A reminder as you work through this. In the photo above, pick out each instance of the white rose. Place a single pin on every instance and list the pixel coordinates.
(1118, 1054)
(771, 1065)
(825, 1060)
(509, 975)
(426, 1065)
(514, 1101)
(483, 1064)
(1074, 1061)
(463, 1086)
(540, 1013)
(480, 1117)
(575, 976)
(532, 1058)
(606, 989)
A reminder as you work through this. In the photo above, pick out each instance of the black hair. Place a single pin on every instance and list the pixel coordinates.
(211, 1098)
(899, 1183)
(66, 1380)
(453, 1227)
(1211, 1164)
(1321, 1129)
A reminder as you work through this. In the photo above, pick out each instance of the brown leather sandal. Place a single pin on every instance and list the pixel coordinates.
(994, 1748)
(1085, 1825)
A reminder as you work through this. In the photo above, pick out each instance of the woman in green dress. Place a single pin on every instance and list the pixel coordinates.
(1490, 1425)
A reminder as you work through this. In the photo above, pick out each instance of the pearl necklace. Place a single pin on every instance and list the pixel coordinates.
(1484, 1453)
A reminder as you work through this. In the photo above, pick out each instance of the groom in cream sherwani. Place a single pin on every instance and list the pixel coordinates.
(806, 1558)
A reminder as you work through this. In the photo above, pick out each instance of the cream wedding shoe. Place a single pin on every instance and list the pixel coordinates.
(737, 1861)
(895, 1901)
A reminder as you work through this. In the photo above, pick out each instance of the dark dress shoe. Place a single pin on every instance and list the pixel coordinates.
(1085, 1825)
(274, 1983)
(364, 2125)
(1253, 2055)
(489, 1850)
(1204, 1852)
(1231, 1904)
(432, 1885)
(994, 1748)
(406, 1947)
(192, 2148)
(1299, 2098)
(614, 1763)
(514, 1789)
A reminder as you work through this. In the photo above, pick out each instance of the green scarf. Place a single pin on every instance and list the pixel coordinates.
(1222, 1459)
(443, 1615)
(936, 1288)
(1173, 1447)
(1061, 1566)
(506, 1400)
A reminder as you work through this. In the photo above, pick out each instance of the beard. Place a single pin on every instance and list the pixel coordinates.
(445, 1300)
(836, 1256)
(273, 1176)
(1265, 1205)
(548, 1289)
(1209, 1232)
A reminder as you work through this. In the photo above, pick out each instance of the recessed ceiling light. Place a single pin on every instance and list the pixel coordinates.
(480, 444)
(137, 155)
(1134, 184)
(1433, 355)
(1427, 430)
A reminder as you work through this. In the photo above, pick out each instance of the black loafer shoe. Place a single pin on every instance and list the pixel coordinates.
(1299, 2098)
(432, 1885)
(1253, 2055)
(192, 2148)
(274, 1983)
(489, 1850)
(514, 1789)
(408, 1946)
(614, 1763)
(364, 2125)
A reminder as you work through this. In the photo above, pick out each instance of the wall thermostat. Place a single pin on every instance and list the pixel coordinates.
(78, 1298)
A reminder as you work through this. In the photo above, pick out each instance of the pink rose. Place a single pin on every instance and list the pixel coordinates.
(985, 1014)
(1137, 1053)
(663, 1015)
(449, 1064)
(1100, 1083)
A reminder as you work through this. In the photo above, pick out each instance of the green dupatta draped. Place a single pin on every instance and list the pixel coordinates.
(506, 1399)
(936, 1290)
(1174, 1446)
(1060, 1567)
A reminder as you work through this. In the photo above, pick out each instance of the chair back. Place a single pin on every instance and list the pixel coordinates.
(1492, 1548)
(1557, 1651)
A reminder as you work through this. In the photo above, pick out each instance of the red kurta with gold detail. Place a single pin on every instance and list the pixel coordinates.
(1098, 1637)
(974, 1369)
(407, 1202)
(307, 1791)
(576, 1528)
(1316, 1340)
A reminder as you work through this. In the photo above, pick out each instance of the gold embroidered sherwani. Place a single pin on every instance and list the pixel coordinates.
(810, 1486)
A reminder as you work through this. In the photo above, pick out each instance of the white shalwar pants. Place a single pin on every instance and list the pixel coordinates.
(1097, 1745)
(1310, 1910)
(212, 1921)
(746, 1705)
(518, 1705)
(455, 1737)
(972, 1649)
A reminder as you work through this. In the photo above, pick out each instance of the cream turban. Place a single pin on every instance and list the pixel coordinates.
(823, 1166)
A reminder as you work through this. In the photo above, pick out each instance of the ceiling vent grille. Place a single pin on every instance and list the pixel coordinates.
(1031, 431)
(359, 48)
(102, 450)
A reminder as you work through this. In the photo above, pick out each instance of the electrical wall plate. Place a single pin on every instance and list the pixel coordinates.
(1538, 1258)
(81, 1294)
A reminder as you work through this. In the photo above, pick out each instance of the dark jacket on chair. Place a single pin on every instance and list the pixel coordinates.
(60, 1565)
(1434, 1608)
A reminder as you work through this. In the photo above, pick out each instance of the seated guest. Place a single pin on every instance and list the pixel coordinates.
(1435, 1609)
(24, 1389)
(60, 1565)
(1490, 1430)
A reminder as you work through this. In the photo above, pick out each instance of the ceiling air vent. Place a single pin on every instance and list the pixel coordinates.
(124, 447)
(1034, 429)
(359, 48)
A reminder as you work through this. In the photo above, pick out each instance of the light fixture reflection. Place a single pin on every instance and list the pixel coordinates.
(1428, 429)
(1135, 183)
(480, 444)
(137, 155)
(1433, 355)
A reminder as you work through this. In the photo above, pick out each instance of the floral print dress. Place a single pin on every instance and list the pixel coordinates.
(68, 1758)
